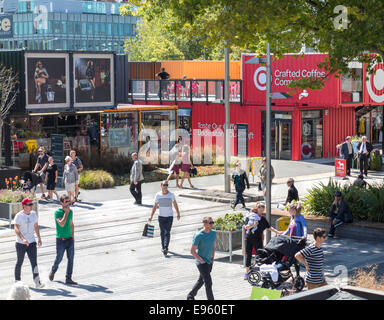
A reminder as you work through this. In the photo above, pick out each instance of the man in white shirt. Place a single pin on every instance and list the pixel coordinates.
(364, 149)
(164, 200)
(26, 225)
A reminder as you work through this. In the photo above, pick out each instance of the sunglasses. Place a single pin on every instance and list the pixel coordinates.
(29, 204)
(208, 222)
(165, 185)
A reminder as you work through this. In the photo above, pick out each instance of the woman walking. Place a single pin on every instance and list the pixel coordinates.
(51, 181)
(254, 240)
(70, 175)
(239, 178)
(186, 164)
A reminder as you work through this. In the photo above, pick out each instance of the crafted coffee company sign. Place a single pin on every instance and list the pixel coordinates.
(283, 72)
(283, 77)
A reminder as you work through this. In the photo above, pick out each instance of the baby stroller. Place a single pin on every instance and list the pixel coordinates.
(31, 180)
(273, 264)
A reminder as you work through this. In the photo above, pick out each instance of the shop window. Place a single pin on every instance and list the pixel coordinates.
(311, 134)
(184, 119)
(119, 133)
(352, 85)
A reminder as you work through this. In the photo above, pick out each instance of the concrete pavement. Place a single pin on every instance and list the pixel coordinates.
(113, 260)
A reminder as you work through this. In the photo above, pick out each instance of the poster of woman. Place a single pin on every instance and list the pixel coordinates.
(93, 85)
(46, 80)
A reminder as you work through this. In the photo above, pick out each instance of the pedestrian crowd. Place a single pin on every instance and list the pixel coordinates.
(46, 173)
(203, 243)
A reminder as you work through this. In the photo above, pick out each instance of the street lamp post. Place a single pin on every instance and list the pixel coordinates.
(268, 141)
(269, 96)
(227, 136)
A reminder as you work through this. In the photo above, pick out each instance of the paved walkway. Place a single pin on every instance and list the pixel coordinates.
(113, 261)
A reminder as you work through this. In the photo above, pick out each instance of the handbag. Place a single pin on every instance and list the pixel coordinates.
(193, 171)
(149, 230)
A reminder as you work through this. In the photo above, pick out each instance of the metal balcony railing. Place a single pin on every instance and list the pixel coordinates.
(177, 90)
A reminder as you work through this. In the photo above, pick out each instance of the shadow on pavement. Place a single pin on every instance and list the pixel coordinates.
(54, 292)
(90, 288)
(182, 256)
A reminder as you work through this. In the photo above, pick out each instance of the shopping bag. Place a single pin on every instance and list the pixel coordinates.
(149, 230)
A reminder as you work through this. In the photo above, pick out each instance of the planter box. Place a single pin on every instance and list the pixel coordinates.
(227, 241)
(9, 210)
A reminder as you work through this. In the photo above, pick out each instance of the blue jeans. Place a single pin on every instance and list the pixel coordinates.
(31, 251)
(62, 246)
(165, 231)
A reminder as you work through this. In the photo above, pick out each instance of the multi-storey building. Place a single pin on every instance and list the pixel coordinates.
(66, 25)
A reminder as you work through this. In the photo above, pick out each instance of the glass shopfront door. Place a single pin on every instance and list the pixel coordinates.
(281, 135)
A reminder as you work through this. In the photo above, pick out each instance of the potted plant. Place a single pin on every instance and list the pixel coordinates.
(10, 199)
(229, 232)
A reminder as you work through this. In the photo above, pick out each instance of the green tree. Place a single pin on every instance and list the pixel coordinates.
(347, 33)
(8, 94)
(157, 40)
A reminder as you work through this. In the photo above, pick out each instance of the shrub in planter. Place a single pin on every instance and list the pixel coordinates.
(96, 179)
(230, 222)
(9, 196)
(365, 204)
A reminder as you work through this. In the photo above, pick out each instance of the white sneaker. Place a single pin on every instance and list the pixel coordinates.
(38, 283)
(57, 197)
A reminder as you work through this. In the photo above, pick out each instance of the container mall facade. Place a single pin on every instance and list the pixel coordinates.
(102, 103)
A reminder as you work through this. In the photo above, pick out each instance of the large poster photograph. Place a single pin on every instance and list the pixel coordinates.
(93, 83)
(46, 80)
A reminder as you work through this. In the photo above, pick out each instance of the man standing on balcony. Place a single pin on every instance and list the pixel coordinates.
(347, 153)
(364, 149)
(163, 75)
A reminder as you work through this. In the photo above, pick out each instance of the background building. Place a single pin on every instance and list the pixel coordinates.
(66, 25)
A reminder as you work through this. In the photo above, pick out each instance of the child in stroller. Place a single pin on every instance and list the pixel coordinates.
(273, 264)
(30, 181)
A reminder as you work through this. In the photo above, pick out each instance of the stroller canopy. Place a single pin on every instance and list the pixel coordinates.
(285, 245)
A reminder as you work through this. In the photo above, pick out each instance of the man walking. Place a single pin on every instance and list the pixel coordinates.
(65, 239)
(347, 153)
(40, 168)
(79, 166)
(136, 178)
(364, 149)
(313, 259)
(203, 250)
(164, 200)
(293, 194)
(26, 224)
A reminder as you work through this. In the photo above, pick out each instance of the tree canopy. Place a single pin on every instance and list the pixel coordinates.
(157, 40)
(351, 32)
